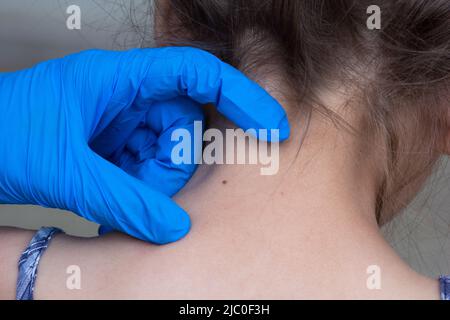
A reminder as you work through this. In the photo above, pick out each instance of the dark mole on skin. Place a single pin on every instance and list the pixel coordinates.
(224, 182)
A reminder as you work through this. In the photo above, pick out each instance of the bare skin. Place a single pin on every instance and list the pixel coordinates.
(308, 232)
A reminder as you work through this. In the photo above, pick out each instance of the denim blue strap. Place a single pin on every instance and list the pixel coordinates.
(445, 287)
(29, 261)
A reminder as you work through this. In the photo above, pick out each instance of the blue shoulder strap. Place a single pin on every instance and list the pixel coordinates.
(29, 262)
(445, 287)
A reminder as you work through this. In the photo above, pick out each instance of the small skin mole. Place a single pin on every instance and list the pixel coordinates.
(224, 181)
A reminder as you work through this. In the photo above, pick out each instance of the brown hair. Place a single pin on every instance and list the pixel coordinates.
(400, 73)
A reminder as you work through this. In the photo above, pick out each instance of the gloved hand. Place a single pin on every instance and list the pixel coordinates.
(90, 133)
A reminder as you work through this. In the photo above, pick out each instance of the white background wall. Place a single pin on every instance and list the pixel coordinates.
(32, 31)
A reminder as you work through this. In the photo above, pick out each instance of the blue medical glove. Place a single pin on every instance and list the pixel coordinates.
(90, 133)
